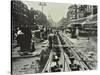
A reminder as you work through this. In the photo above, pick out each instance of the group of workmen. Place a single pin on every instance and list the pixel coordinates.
(24, 39)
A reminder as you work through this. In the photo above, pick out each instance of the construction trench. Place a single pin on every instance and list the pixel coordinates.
(64, 57)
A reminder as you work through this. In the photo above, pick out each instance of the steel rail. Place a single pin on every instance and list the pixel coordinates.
(82, 62)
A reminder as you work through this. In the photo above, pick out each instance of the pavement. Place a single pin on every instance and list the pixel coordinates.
(30, 65)
(39, 47)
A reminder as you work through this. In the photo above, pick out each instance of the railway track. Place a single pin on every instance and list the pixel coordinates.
(78, 57)
(64, 58)
(85, 58)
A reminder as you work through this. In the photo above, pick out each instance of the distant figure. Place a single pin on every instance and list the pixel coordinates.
(77, 33)
(42, 33)
(33, 47)
(50, 38)
(56, 60)
(73, 32)
(45, 33)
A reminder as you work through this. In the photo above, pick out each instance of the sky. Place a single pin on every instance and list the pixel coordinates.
(55, 10)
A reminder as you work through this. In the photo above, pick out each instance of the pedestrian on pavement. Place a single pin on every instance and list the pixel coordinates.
(33, 46)
(20, 40)
(27, 38)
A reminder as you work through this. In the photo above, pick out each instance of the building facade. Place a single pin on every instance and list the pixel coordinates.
(80, 11)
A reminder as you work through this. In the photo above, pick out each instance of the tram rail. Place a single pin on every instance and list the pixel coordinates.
(79, 58)
(65, 60)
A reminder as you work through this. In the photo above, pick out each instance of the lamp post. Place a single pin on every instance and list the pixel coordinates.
(42, 4)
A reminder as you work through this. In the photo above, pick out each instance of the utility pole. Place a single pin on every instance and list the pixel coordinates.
(42, 4)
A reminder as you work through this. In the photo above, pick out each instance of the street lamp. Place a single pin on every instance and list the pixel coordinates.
(42, 4)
